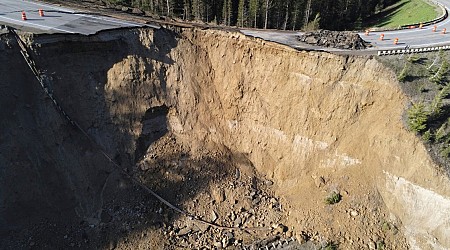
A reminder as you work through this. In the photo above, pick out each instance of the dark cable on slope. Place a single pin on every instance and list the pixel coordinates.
(31, 64)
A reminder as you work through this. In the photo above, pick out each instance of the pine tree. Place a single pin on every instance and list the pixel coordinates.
(197, 9)
(253, 12)
(286, 17)
(242, 15)
(282, 14)
(187, 10)
(308, 11)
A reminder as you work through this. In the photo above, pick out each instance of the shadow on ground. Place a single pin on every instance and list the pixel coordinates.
(57, 188)
(384, 17)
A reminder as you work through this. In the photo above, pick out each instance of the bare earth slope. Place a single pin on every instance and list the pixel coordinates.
(195, 111)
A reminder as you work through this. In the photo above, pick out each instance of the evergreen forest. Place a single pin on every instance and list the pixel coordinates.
(267, 14)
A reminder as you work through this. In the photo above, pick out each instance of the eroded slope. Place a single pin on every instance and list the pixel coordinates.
(162, 102)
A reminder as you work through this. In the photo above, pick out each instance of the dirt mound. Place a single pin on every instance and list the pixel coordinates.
(334, 39)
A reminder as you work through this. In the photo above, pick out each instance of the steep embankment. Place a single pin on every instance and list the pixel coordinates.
(317, 122)
(311, 122)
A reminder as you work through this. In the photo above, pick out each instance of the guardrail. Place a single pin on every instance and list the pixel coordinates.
(409, 51)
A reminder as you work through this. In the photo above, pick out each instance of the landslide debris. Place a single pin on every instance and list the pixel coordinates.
(229, 128)
(334, 39)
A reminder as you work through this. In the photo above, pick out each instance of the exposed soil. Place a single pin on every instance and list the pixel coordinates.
(234, 130)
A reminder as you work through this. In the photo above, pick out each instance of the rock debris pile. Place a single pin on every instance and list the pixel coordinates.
(334, 39)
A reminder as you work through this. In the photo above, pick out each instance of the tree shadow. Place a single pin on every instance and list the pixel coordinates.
(384, 17)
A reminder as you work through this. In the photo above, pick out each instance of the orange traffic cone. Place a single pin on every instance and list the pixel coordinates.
(24, 16)
(434, 28)
(444, 30)
(381, 37)
(41, 12)
(396, 41)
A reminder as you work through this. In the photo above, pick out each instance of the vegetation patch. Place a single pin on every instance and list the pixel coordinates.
(405, 12)
(273, 14)
(425, 78)
(333, 198)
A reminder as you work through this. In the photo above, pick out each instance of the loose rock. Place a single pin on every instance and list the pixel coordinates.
(354, 213)
(213, 216)
(334, 39)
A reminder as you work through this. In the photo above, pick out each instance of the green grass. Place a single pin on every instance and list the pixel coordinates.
(405, 12)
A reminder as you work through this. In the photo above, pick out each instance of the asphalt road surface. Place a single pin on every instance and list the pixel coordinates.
(56, 19)
(414, 38)
(63, 20)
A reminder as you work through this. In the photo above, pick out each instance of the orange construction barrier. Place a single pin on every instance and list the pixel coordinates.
(444, 30)
(396, 41)
(420, 25)
(41, 12)
(434, 28)
(24, 16)
(381, 37)
(367, 32)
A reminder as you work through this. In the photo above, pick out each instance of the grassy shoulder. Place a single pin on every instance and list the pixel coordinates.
(425, 78)
(405, 12)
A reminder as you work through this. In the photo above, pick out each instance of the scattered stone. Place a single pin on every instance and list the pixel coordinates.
(354, 213)
(256, 201)
(184, 231)
(218, 195)
(229, 235)
(232, 216)
(125, 9)
(238, 222)
(213, 216)
(320, 181)
(268, 182)
(371, 245)
(203, 227)
(300, 238)
(224, 242)
(289, 234)
(32, 243)
(279, 228)
(217, 244)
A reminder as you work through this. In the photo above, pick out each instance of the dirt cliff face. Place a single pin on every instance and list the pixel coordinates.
(317, 123)
(313, 123)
